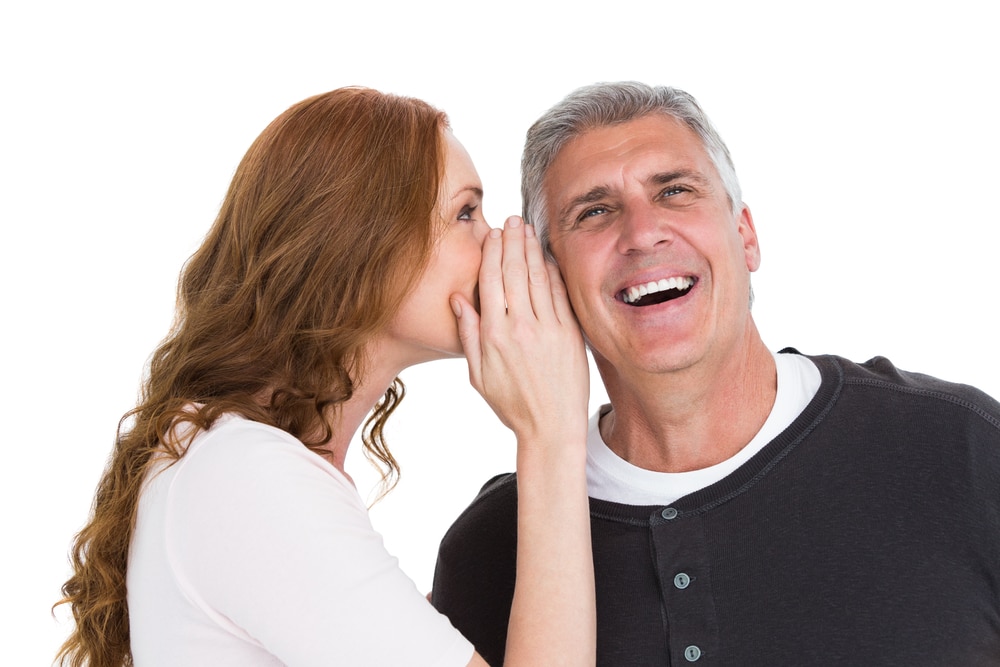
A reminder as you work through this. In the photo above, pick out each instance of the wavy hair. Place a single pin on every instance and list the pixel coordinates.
(328, 217)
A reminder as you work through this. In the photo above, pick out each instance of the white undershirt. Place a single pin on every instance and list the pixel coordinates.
(610, 477)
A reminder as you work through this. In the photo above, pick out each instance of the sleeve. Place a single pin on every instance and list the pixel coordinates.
(271, 541)
(476, 568)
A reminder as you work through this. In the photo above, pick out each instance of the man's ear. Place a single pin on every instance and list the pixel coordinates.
(747, 232)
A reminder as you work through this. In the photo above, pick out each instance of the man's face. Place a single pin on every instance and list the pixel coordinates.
(639, 207)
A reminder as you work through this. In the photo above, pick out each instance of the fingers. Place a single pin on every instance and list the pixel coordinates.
(539, 282)
(524, 349)
(468, 334)
(560, 297)
(491, 305)
(515, 268)
(526, 280)
(492, 301)
(515, 278)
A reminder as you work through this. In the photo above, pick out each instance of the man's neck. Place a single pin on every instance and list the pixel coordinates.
(692, 418)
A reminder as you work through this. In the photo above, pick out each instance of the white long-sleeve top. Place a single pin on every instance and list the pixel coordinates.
(253, 550)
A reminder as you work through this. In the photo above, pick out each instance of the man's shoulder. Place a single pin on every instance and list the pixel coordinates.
(879, 384)
(880, 372)
(487, 529)
(476, 564)
(503, 486)
(493, 512)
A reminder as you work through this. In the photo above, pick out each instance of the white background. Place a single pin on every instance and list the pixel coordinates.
(865, 135)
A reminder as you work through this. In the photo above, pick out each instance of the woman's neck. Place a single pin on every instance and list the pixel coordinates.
(380, 369)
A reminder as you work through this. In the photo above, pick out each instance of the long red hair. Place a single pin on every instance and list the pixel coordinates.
(329, 216)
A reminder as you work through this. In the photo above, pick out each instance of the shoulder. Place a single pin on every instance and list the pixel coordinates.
(485, 532)
(250, 455)
(492, 511)
(475, 570)
(498, 496)
(232, 434)
(885, 386)
(498, 488)
(253, 482)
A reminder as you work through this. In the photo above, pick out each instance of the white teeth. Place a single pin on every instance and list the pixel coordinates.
(633, 294)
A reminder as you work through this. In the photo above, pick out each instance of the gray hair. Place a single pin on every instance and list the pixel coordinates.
(604, 104)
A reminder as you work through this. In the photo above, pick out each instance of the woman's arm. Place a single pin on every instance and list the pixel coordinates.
(527, 358)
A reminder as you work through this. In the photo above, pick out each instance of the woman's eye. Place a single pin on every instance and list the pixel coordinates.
(466, 212)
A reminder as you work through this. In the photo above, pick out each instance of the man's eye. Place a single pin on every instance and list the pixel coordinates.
(591, 212)
(672, 190)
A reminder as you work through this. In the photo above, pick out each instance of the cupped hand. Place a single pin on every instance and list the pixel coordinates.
(525, 351)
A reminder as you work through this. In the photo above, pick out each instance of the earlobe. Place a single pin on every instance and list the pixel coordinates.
(747, 231)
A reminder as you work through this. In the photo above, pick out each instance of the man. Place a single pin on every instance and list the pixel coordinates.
(748, 508)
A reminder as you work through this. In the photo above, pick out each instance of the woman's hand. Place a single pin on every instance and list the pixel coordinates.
(525, 350)
(527, 358)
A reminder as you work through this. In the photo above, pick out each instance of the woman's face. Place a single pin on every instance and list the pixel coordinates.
(425, 327)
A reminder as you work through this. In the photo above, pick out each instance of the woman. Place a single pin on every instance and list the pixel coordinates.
(225, 529)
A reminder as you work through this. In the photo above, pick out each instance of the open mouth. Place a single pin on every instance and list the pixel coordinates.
(654, 292)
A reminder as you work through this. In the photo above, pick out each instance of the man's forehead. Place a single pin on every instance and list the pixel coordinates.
(652, 126)
(662, 144)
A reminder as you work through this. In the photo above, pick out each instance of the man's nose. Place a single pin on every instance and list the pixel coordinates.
(643, 228)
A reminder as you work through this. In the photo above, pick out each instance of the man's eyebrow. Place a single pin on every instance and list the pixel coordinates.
(593, 195)
(665, 177)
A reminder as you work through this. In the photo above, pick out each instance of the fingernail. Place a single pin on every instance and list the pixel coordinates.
(513, 221)
(495, 233)
(529, 231)
(456, 307)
